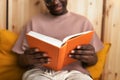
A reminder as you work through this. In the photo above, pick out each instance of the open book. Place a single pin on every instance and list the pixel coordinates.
(58, 50)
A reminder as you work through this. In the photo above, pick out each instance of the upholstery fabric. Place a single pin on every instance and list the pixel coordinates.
(9, 69)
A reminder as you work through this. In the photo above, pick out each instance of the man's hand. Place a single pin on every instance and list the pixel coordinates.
(84, 53)
(32, 57)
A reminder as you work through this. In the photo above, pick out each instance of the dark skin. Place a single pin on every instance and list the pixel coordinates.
(56, 7)
(32, 57)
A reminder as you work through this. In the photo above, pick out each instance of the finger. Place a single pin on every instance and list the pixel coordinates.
(72, 51)
(80, 57)
(40, 54)
(74, 56)
(82, 52)
(85, 58)
(78, 47)
(88, 52)
(84, 47)
(87, 47)
(31, 51)
(76, 52)
(85, 52)
(43, 60)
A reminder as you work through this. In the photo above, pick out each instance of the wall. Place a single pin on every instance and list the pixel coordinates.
(20, 12)
(2, 14)
(92, 9)
(112, 35)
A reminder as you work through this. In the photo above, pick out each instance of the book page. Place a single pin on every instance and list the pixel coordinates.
(75, 35)
(45, 38)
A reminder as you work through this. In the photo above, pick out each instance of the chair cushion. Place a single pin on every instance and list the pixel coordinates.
(10, 70)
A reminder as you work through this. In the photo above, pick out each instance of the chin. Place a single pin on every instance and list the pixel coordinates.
(58, 13)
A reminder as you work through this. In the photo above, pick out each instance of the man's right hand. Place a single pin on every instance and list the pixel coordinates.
(32, 57)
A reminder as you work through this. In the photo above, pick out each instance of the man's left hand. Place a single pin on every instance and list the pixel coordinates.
(84, 53)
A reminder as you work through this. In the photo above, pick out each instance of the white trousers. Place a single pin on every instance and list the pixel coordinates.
(37, 74)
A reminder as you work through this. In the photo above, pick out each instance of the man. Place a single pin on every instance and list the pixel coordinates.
(58, 23)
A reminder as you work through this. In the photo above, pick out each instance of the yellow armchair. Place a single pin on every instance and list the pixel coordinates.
(9, 69)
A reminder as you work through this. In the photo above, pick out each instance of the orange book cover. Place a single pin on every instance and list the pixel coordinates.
(58, 50)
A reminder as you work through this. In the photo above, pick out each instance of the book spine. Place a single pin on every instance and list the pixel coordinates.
(61, 57)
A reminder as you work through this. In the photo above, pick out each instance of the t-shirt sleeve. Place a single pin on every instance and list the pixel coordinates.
(21, 43)
(96, 42)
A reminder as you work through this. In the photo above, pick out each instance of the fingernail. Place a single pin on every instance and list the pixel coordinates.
(78, 47)
(49, 59)
(73, 51)
(48, 62)
(70, 55)
(45, 55)
(36, 49)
